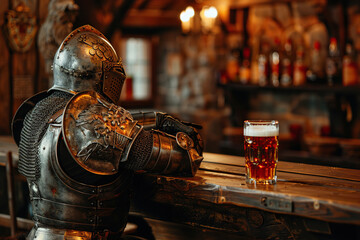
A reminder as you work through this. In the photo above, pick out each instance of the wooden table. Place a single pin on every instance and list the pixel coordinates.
(307, 202)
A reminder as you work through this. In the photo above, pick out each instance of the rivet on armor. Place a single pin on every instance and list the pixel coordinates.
(44, 147)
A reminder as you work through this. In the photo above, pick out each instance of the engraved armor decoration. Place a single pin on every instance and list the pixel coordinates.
(78, 149)
(97, 133)
(86, 61)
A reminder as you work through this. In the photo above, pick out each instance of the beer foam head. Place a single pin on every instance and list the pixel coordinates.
(261, 130)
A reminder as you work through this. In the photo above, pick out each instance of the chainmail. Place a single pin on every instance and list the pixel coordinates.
(35, 125)
(140, 151)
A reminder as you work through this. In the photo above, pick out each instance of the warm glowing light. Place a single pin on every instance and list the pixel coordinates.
(184, 17)
(187, 14)
(210, 12)
(190, 11)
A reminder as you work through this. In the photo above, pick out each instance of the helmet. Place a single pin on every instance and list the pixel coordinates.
(86, 60)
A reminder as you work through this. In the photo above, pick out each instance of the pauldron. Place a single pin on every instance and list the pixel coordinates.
(97, 133)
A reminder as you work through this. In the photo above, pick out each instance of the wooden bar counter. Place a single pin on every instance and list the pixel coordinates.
(308, 201)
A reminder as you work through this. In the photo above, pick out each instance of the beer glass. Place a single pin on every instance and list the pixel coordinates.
(261, 151)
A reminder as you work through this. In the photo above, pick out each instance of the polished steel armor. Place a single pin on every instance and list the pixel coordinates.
(92, 124)
(84, 152)
(61, 202)
(86, 60)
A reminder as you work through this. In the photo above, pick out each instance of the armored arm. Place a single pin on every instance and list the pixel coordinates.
(103, 137)
(170, 125)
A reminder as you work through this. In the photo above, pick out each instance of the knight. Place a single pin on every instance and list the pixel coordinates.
(79, 149)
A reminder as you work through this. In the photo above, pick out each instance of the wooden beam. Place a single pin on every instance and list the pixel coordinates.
(119, 17)
(143, 4)
(152, 18)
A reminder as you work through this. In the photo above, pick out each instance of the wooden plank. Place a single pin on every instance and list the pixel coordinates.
(318, 202)
(151, 18)
(298, 168)
(22, 223)
(328, 193)
(42, 81)
(24, 67)
(285, 176)
(5, 97)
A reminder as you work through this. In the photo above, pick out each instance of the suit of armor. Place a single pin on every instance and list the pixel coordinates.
(78, 149)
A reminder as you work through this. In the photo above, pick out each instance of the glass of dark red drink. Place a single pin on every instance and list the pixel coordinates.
(261, 151)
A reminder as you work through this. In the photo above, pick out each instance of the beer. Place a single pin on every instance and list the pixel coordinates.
(261, 151)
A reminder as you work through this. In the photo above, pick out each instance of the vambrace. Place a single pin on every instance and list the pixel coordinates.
(146, 119)
(168, 124)
(174, 155)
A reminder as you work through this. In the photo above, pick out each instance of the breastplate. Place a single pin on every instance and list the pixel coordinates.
(62, 202)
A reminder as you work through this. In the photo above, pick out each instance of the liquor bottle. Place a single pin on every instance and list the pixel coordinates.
(333, 63)
(287, 65)
(263, 64)
(315, 73)
(244, 71)
(232, 66)
(349, 72)
(299, 75)
(275, 64)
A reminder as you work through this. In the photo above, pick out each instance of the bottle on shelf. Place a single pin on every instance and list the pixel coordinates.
(349, 68)
(287, 65)
(299, 75)
(275, 64)
(263, 64)
(315, 73)
(233, 62)
(333, 63)
(244, 71)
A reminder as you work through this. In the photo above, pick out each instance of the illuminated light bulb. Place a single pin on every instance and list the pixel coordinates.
(190, 11)
(184, 16)
(211, 12)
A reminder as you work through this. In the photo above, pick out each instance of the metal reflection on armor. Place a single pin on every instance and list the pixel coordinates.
(168, 155)
(86, 61)
(97, 133)
(78, 150)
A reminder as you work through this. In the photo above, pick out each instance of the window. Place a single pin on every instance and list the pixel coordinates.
(136, 57)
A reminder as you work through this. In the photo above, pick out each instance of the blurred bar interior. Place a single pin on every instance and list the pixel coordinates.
(216, 63)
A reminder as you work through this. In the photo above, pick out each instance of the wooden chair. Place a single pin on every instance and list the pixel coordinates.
(10, 220)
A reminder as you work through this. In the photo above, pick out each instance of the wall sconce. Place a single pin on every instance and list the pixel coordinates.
(192, 23)
(187, 19)
(208, 16)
